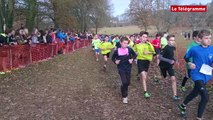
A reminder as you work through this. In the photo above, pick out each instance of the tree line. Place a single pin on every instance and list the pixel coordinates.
(157, 13)
(76, 15)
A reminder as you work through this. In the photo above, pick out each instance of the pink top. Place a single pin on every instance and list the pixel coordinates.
(123, 51)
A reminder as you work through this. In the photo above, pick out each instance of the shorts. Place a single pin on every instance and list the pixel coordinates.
(164, 71)
(157, 51)
(108, 54)
(143, 65)
(97, 50)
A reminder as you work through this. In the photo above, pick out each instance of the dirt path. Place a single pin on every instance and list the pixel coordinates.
(74, 87)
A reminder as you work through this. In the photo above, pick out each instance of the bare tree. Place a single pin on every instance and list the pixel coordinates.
(209, 20)
(154, 12)
(31, 11)
(197, 20)
(141, 11)
(6, 13)
(100, 13)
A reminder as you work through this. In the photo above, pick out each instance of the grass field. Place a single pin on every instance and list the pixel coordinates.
(135, 29)
(123, 30)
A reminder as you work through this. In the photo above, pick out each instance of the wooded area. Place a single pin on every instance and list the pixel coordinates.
(157, 13)
(78, 15)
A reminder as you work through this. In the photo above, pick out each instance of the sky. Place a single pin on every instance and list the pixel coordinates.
(120, 6)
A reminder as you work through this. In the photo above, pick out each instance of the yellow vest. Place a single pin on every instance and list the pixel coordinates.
(141, 48)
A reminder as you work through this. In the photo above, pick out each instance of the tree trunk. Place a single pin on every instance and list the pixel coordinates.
(31, 14)
(55, 10)
(1, 25)
(167, 29)
(145, 27)
(10, 8)
(96, 28)
(6, 13)
(1, 16)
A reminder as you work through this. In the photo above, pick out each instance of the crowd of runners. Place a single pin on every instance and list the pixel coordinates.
(139, 49)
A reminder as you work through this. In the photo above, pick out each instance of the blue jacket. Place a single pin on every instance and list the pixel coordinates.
(61, 36)
(200, 56)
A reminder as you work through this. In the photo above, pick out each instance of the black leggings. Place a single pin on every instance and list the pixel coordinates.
(187, 76)
(200, 89)
(125, 79)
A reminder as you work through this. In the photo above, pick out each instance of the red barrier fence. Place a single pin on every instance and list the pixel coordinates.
(180, 52)
(19, 56)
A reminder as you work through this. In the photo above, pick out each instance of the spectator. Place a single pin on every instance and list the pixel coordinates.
(34, 38)
(21, 36)
(4, 37)
(18, 38)
(12, 38)
(60, 35)
(4, 40)
(53, 35)
(48, 37)
(189, 35)
(71, 37)
(185, 35)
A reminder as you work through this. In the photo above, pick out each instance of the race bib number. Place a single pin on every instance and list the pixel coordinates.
(206, 69)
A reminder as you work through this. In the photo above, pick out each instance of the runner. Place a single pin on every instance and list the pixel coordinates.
(106, 48)
(167, 60)
(157, 45)
(131, 39)
(145, 52)
(116, 42)
(196, 42)
(96, 42)
(124, 57)
(201, 72)
(163, 40)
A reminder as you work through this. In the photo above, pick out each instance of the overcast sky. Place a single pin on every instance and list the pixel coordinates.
(120, 6)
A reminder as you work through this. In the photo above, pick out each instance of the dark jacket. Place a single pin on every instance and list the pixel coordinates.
(124, 64)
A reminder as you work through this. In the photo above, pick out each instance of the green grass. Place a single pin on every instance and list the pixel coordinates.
(123, 30)
(135, 29)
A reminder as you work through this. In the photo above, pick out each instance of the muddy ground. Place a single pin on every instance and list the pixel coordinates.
(74, 87)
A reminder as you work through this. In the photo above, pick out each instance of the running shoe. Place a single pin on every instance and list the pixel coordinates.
(125, 100)
(182, 109)
(175, 98)
(147, 95)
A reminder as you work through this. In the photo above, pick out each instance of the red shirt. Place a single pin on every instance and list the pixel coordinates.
(156, 43)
